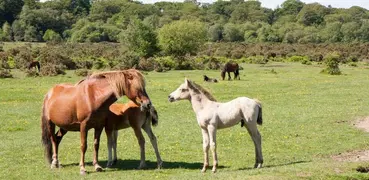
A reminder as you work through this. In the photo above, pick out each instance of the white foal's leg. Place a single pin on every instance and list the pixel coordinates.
(205, 145)
(154, 143)
(213, 146)
(256, 137)
(141, 142)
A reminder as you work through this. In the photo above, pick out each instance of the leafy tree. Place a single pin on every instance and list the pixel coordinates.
(6, 32)
(215, 32)
(31, 34)
(32, 4)
(332, 32)
(9, 9)
(290, 7)
(232, 33)
(312, 14)
(140, 38)
(18, 30)
(52, 36)
(181, 37)
(350, 31)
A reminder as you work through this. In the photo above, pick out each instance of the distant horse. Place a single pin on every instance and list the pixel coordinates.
(35, 64)
(231, 67)
(123, 116)
(212, 115)
(207, 79)
(85, 105)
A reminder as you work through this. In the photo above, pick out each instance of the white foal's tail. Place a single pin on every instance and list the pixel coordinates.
(260, 115)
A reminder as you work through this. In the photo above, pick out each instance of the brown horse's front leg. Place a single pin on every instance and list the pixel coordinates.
(83, 148)
(229, 76)
(98, 131)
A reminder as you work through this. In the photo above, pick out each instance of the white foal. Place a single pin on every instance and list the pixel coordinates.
(212, 115)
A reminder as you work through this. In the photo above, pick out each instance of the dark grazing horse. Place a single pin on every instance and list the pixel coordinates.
(84, 106)
(34, 64)
(207, 79)
(231, 67)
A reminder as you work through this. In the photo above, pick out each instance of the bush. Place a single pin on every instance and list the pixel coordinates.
(353, 64)
(32, 73)
(52, 69)
(127, 61)
(256, 60)
(5, 73)
(332, 64)
(99, 63)
(82, 72)
(146, 64)
(22, 59)
(165, 63)
(306, 62)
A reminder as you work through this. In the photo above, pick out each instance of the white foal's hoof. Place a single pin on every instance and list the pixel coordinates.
(160, 164)
(258, 165)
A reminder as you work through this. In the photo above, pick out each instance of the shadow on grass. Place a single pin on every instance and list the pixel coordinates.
(277, 165)
(130, 164)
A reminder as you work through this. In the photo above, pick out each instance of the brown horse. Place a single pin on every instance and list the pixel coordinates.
(123, 116)
(231, 67)
(35, 64)
(85, 105)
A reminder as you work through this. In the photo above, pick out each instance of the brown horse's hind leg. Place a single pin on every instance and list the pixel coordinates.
(229, 76)
(97, 135)
(55, 161)
(59, 136)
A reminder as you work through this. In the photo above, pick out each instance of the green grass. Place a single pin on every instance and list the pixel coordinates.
(308, 118)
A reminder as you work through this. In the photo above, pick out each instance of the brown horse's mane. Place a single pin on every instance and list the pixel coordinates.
(118, 80)
(203, 91)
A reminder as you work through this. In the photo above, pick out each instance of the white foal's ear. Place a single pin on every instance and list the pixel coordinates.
(186, 81)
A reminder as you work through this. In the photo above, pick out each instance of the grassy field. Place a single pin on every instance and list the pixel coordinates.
(308, 117)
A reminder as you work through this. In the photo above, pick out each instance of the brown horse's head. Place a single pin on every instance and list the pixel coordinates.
(130, 83)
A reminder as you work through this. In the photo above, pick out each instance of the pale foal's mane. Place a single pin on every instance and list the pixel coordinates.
(202, 90)
(118, 80)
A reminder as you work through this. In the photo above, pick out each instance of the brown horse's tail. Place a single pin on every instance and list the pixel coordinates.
(154, 116)
(46, 134)
(260, 116)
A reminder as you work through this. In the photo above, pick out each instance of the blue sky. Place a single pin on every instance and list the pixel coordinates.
(274, 3)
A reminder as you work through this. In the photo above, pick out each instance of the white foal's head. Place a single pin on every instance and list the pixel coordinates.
(182, 92)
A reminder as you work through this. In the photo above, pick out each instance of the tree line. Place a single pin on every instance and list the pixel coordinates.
(178, 28)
